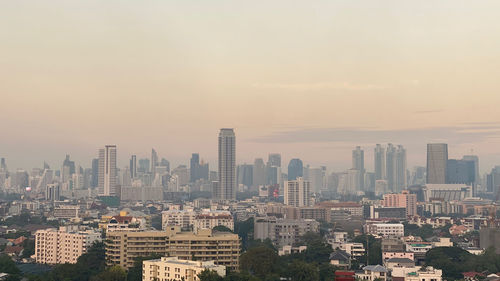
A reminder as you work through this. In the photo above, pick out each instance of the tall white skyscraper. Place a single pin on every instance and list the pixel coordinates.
(107, 175)
(225, 188)
(298, 193)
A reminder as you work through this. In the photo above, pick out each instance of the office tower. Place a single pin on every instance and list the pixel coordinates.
(3, 164)
(474, 159)
(460, 172)
(133, 167)
(370, 182)
(143, 166)
(45, 166)
(298, 193)
(52, 192)
(107, 171)
(183, 173)
(274, 160)
(194, 165)
(380, 166)
(245, 175)
(259, 172)
(295, 169)
(165, 163)
(95, 173)
(203, 170)
(273, 175)
(154, 161)
(389, 165)
(437, 157)
(400, 172)
(225, 189)
(418, 176)
(353, 185)
(70, 164)
(316, 177)
(358, 163)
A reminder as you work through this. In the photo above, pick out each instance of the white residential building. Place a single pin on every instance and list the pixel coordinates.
(385, 229)
(354, 249)
(174, 269)
(417, 273)
(182, 218)
(209, 220)
(54, 246)
(298, 193)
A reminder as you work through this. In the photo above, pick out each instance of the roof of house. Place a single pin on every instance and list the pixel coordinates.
(400, 260)
(340, 255)
(375, 268)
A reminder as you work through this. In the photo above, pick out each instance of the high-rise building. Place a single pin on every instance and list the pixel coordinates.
(94, 182)
(259, 172)
(245, 175)
(358, 163)
(274, 160)
(460, 171)
(154, 161)
(437, 158)
(133, 167)
(474, 159)
(225, 189)
(379, 162)
(297, 193)
(68, 169)
(194, 165)
(295, 169)
(396, 171)
(143, 165)
(107, 171)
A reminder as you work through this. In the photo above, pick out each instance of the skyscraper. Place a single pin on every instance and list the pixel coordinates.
(107, 171)
(379, 162)
(295, 169)
(274, 160)
(245, 175)
(154, 161)
(460, 172)
(94, 182)
(194, 166)
(474, 159)
(225, 189)
(437, 158)
(133, 166)
(259, 172)
(358, 163)
(400, 172)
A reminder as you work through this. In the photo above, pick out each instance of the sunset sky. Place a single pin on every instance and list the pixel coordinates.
(308, 79)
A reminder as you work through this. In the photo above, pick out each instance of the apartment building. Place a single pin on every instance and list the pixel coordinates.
(385, 229)
(63, 245)
(66, 212)
(209, 220)
(416, 273)
(404, 200)
(175, 269)
(283, 232)
(183, 218)
(122, 247)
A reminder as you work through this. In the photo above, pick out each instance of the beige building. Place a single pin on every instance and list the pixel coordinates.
(183, 218)
(404, 200)
(174, 269)
(122, 247)
(66, 212)
(209, 220)
(297, 193)
(54, 246)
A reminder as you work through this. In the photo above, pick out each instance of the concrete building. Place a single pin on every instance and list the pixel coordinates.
(175, 269)
(379, 157)
(490, 237)
(66, 212)
(416, 273)
(65, 245)
(107, 174)
(183, 218)
(225, 189)
(209, 220)
(298, 193)
(437, 158)
(385, 229)
(283, 232)
(404, 200)
(123, 247)
(372, 273)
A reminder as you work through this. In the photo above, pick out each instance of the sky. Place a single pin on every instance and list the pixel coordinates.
(307, 79)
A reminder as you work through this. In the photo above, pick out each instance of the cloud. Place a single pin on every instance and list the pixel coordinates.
(359, 135)
(319, 86)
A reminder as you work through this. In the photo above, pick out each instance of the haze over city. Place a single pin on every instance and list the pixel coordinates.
(305, 79)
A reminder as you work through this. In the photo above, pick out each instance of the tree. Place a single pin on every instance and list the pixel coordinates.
(222, 228)
(374, 248)
(259, 261)
(301, 271)
(114, 273)
(209, 275)
(7, 265)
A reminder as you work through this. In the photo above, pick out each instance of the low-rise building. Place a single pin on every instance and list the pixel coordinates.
(183, 218)
(174, 269)
(385, 229)
(283, 231)
(354, 249)
(372, 272)
(66, 212)
(416, 273)
(209, 220)
(289, 250)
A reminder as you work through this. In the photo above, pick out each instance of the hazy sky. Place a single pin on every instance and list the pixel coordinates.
(309, 79)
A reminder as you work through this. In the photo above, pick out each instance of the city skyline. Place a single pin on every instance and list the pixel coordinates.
(317, 87)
